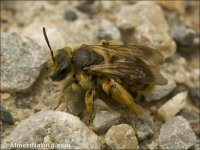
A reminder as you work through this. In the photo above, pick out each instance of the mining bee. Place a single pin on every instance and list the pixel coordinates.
(109, 67)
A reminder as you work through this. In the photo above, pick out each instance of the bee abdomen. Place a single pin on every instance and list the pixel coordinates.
(83, 57)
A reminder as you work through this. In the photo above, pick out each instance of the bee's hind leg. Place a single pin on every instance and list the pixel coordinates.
(89, 98)
(122, 96)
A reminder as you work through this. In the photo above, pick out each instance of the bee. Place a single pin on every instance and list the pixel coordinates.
(108, 67)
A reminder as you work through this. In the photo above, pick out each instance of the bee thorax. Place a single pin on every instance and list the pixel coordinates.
(84, 57)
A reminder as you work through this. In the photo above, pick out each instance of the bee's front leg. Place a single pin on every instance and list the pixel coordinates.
(61, 97)
(89, 98)
(69, 85)
(68, 82)
(59, 100)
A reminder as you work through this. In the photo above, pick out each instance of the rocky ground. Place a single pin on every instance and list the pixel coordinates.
(28, 95)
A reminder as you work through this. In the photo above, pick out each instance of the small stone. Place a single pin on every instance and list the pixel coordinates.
(23, 61)
(4, 21)
(144, 23)
(105, 116)
(177, 6)
(143, 128)
(5, 115)
(179, 64)
(195, 95)
(49, 130)
(108, 31)
(153, 145)
(53, 2)
(36, 110)
(121, 137)
(107, 5)
(21, 103)
(197, 146)
(173, 106)
(5, 96)
(189, 116)
(143, 146)
(177, 134)
(179, 77)
(47, 140)
(65, 128)
(161, 91)
(86, 8)
(192, 118)
(149, 145)
(70, 15)
(182, 34)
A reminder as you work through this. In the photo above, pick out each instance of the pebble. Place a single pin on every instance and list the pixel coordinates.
(70, 15)
(107, 5)
(176, 134)
(143, 128)
(108, 31)
(20, 102)
(144, 23)
(5, 96)
(188, 115)
(180, 77)
(182, 34)
(65, 128)
(161, 91)
(105, 116)
(192, 118)
(195, 95)
(86, 8)
(23, 61)
(121, 137)
(36, 110)
(153, 145)
(5, 115)
(173, 106)
(47, 140)
(177, 67)
(197, 146)
(177, 6)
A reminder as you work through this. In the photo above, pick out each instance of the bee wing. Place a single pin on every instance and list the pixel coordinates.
(130, 71)
(149, 55)
(128, 64)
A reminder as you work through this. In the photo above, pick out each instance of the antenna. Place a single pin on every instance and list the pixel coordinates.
(46, 38)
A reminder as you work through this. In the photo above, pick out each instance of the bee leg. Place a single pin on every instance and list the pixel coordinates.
(61, 97)
(59, 100)
(107, 43)
(89, 96)
(145, 89)
(104, 42)
(122, 96)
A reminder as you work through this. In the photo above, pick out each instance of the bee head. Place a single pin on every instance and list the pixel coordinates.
(57, 64)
